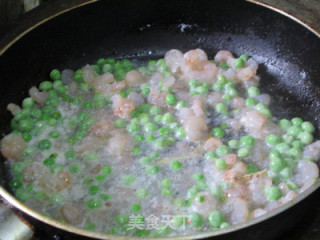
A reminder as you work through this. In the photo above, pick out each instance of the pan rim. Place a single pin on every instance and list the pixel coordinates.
(15, 203)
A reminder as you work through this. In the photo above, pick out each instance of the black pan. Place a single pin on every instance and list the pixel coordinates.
(287, 51)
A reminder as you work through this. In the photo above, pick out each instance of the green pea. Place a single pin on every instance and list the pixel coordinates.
(295, 152)
(133, 127)
(251, 168)
(166, 182)
(180, 133)
(195, 219)
(45, 86)
(152, 170)
(44, 144)
(27, 103)
(128, 179)
(198, 177)
(292, 186)
(285, 124)
(221, 164)
(136, 151)
(49, 162)
(91, 156)
(70, 154)
(100, 178)
(244, 57)
(221, 108)
(26, 136)
(297, 144)
(233, 144)
(56, 198)
(273, 140)
(244, 152)
(93, 190)
(55, 75)
(167, 118)
(178, 220)
(297, 121)
(225, 225)
(222, 150)
(210, 155)
(294, 131)
(16, 183)
(274, 193)
(306, 137)
(150, 127)
(166, 192)
(135, 208)
(253, 92)
(193, 83)
(155, 110)
(286, 173)
(154, 155)
(179, 202)
(139, 138)
(144, 108)
(223, 65)
(75, 169)
(122, 219)
(250, 102)
(142, 193)
(107, 68)
(26, 125)
(276, 164)
(150, 138)
(161, 142)
(181, 104)
(247, 141)
(216, 218)
(164, 131)
(171, 99)
(176, 165)
(217, 132)
(202, 90)
(105, 197)
(145, 160)
(287, 138)
(308, 127)
(106, 170)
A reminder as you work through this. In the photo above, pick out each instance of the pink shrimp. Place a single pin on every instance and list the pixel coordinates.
(212, 144)
(122, 107)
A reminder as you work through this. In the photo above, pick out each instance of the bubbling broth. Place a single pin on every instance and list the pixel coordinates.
(172, 147)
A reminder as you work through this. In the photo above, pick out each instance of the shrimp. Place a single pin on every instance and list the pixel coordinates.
(238, 211)
(212, 144)
(174, 59)
(244, 74)
(122, 107)
(237, 102)
(196, 128)
(252, 120)
(72, 214)
(223, 56)
(157, 97)
(195, 58)
(207, 206)
(257, 185)
(306, 170)
(63, 180)
(137, 98)
(205, 74)
(237, 170)
(13, 108)
(37, 96)
(88, 74)
(312, 151)
(214, 98)
(101, 128)
(120, 142)
(258, 212)
(184, 114)
(288, 197)
(197, 108)
(12, 146)
(106, 84)
(134, 78)
(237, 190)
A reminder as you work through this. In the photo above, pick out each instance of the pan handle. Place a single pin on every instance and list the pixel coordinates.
(11, 227)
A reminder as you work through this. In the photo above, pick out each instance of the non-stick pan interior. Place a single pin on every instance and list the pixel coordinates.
(287, 53)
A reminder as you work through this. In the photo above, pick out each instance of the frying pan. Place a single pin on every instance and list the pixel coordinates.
(287, 52)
